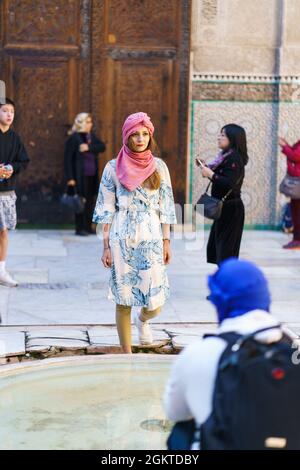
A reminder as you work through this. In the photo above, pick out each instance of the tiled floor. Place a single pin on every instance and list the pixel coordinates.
(63, 284)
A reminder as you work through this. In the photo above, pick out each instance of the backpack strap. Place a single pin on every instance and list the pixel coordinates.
(229, 337)
(236, 340)
(245, 338)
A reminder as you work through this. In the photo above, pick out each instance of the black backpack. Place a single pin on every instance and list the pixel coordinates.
(256, 401)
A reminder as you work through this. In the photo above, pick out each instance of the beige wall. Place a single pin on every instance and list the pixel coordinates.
(251, 42)
(291, 39)
(246, 37)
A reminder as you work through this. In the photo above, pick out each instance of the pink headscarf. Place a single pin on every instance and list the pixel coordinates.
(134, 167)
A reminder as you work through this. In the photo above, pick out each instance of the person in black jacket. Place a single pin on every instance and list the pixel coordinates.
(227, 173)
(13, 159)
(81, 168)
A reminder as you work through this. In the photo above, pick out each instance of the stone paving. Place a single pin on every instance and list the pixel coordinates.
(61, 305)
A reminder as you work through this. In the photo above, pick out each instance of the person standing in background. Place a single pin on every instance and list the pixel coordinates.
(81, 168)
(226, 173)
(13, 159)
(292, 154)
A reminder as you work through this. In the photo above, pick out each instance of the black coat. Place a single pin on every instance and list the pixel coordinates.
(226, 232)
(73, 159)
(228, 175)
(12, 151)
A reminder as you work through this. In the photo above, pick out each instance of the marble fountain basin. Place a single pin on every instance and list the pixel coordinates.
(95, 402)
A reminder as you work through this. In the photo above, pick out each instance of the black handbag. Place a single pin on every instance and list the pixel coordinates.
(290, 186)
(72, 200)
(209, 206)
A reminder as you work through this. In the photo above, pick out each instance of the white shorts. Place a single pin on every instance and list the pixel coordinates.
(8, 213)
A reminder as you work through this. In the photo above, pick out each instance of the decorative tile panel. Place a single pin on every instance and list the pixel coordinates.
(209, 11)
(262, 122)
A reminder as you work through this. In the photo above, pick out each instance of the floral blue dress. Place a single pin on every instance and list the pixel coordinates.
(138, 273)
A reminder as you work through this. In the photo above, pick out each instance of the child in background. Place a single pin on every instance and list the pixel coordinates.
(13, 159)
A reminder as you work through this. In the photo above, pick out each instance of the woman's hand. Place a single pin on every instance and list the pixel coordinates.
(4, 172)
(167, 251)
(8, 174)
(199, 162)
(207, 172)
(71, 183)
(83, 148)
(282, 142)
(106, 258)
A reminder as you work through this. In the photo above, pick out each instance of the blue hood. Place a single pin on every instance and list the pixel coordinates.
(238, 287)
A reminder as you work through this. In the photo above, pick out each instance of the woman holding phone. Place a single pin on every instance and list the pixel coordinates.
(227, 172)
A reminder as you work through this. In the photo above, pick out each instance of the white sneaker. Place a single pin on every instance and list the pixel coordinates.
(144, 330)
(7, 280)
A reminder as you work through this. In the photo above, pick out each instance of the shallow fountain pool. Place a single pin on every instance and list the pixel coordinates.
(104, 402)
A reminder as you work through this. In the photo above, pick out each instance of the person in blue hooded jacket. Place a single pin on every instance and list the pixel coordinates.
(240, 293)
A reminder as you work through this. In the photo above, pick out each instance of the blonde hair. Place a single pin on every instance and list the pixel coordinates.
(80, 122)
(153, 181)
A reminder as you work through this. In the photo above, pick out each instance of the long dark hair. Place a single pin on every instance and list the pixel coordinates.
(238, 141)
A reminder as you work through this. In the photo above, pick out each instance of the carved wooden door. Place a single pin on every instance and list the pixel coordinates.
(44, 62)
(111, 57)
(141, 63)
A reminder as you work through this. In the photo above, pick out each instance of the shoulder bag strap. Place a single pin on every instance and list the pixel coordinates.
(227, 194)
(230, 190)
(208, 186)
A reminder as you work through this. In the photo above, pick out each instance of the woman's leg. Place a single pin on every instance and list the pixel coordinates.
(146, 314)
(3, 245)
(142, 324)
(230, 230)
(123, 321)
(90, 202)
(79, 224)
(295, 210)
(211, 253)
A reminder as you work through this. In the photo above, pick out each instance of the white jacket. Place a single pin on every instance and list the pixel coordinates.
(189, 391)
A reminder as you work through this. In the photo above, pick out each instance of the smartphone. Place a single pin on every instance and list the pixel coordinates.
(200, 163)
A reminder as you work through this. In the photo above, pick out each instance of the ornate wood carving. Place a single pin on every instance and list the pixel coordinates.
(119, 54)
(64, 56)
(46, 22)
(141, 62)
(46, 57)
(41, 118)
(133, 93)
(1, 40)
(209, 11)
(142, 22)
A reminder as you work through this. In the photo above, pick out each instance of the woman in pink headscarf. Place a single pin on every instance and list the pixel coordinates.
(136, 207)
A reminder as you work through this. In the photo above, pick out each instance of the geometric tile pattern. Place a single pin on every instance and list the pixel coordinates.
(263, 122)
